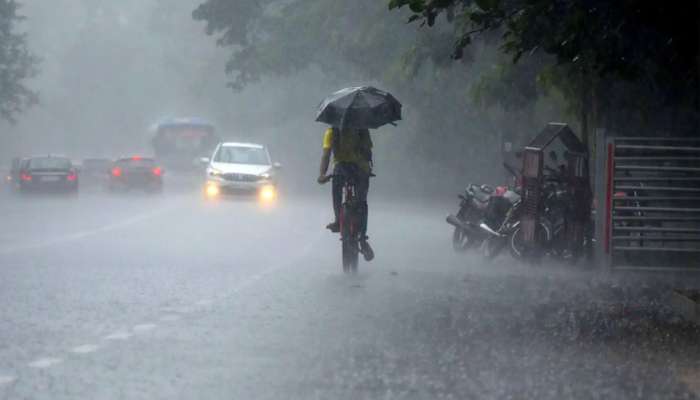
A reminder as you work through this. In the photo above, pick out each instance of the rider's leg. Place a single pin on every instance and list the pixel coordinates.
(337, 195)
(362, 189)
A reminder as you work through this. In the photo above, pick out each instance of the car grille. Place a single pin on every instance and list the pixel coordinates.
(242, 177)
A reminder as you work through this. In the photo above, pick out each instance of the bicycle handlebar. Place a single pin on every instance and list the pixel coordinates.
(331, 176)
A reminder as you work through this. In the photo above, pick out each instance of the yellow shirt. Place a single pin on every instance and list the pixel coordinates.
(352, 148)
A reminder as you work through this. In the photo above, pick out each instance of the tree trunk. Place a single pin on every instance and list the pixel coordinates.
(585, 108)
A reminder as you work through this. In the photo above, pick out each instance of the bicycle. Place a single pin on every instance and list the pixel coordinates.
(349, 220)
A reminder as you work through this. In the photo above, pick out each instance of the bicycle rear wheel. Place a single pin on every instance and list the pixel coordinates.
(348, 237)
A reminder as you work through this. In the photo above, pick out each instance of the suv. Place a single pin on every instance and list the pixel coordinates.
(241, 168)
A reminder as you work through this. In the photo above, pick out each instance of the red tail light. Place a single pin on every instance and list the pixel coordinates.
(72, 177)
(116, 171)
(136, 158)
(157, 171)
(25, 177)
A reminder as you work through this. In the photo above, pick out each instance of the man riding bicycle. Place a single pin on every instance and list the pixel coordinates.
(352, 159)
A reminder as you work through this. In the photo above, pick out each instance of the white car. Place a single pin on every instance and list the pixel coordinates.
(240, 169)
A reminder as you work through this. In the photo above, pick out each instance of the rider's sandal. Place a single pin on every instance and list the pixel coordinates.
(366, 250)
(333, 227)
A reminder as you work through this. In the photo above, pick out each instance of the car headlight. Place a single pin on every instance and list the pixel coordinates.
(265, 175)
(215, 172)
(267, 193)
(212, 190)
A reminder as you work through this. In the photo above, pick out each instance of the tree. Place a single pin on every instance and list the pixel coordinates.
(17, 64)
(274, 37)
(343, 43)
(595, 44)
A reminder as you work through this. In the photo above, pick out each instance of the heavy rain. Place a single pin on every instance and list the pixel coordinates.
(367, 199)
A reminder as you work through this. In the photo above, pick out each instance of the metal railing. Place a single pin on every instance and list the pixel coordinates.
(648, 196)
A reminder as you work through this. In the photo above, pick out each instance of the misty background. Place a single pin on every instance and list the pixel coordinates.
(110, 70)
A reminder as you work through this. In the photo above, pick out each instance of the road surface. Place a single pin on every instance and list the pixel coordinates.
(169, 297)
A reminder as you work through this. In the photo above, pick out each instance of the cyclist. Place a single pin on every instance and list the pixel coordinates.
(352, 158)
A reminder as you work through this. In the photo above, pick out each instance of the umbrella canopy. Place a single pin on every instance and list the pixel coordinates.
(359, 107)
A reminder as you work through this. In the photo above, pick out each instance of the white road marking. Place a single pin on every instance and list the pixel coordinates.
(84, 349)
(259, 276)
(6, 380)
(83, 234)
(169, 318)
(121, 335)
(44, 363)
(144, 327)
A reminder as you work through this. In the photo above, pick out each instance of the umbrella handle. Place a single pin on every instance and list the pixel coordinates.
(341, 128)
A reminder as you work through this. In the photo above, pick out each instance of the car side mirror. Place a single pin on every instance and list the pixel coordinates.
(204, 160)
(276, 165)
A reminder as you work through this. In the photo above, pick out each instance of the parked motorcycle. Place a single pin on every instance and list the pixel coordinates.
(472, 208)
(501, 217)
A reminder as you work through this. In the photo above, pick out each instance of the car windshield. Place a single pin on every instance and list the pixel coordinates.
(242, 155)
(49, 163)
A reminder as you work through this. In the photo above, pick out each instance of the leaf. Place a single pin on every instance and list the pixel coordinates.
(464, 41)
(417, 6)
(478, 18)
(486, 5)
(413, 18)
(396, 4)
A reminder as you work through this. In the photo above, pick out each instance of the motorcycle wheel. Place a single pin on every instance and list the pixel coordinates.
(461, 240)
(517, 247)
(492, 247)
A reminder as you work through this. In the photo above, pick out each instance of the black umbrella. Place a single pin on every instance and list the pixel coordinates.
(359, 107)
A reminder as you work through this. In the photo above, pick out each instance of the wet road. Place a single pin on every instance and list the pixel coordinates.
(168, 297)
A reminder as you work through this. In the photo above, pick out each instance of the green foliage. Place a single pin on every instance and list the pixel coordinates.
(619, 37)
(652, 44)
(360, 41)
(275, 37)
(17, 64)
(509, 86)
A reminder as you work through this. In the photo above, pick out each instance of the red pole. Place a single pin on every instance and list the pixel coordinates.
(610, 170)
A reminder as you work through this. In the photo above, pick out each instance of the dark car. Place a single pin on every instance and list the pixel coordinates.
(12, 177)
(47, 174)
(136, 173)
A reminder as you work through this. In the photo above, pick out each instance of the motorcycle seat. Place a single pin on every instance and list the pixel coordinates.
(481, 194)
